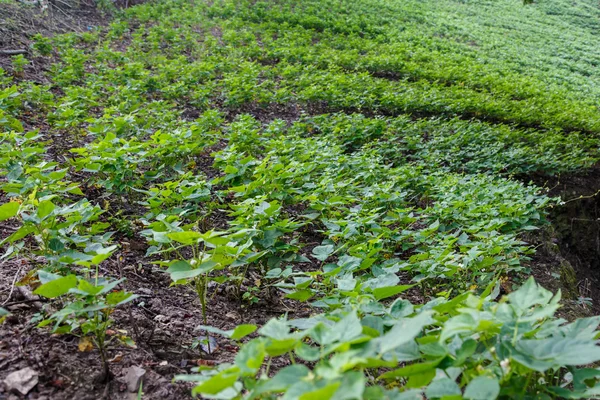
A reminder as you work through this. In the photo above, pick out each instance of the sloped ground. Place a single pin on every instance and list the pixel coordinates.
(324, 142)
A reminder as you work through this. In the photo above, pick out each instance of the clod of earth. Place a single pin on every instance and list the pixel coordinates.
(134, 378)
(22, 381)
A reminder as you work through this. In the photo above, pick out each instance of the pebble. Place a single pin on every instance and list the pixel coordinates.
(134, 377)
(21, 381)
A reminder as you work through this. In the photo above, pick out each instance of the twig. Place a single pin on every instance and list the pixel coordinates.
(62, 2)
(14, 303)
(29, 296)
(591, 196)
(13, 52)
(12, 286)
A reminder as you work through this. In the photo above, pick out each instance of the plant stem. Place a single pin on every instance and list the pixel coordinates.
(201, 291)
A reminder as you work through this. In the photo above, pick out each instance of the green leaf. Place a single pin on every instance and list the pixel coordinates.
(57, 287)
(410, 370)
(419, 380)
(186, 237)
(529, 294)
(324, 393)
(401, 308)
(403, 331)
(285, 378)
(345, 330)
(321, 253)
(276, 329)
(300, 295)
(56, 245)
(180, 270)
(45, 208)
(216, 383)
(242, 331)
(118, 298)
(21, 233)
(87, 287)
(389, 291)
(352, 386)
(8, 210)
(557, 352)
(251, 356)
(466, 350)
(442, 387)
(482, 388)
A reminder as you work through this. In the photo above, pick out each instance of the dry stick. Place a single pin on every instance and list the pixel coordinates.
(29, 296)
(12, 286)
(62, 2)
(13, 52)
(14, 303)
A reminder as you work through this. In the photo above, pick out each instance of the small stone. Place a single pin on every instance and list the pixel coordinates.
(144, 291)
(134, 377)
(232, 316)
(161, 318)
(21, 381)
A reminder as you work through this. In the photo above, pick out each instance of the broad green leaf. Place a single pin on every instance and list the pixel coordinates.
(55, 245)
(118, 298)
(466, 350)
(482, 388)
(401, 308)
(300, 295)
(389, 291)
(251, 356)
(186, 237)
(460, 324)
(242, 331)
(9, 210)
(321, 253)
(46, 276)
(276, 329)
(559, 351)
(57, 287)
(324, 393)
(307, 352)
(403, 331)
(529, 294)
(88, 288)
(216, 383)
(442, 387)
(347, 329)
(277, 347)
(180, 270)
(285, 378)
(21, 233)
(45, 208)
(410, 370)
(420, 380)
(352, 386)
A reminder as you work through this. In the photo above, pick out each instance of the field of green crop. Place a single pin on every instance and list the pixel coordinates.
(354, 180)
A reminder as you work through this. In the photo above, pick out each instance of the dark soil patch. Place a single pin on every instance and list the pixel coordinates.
(568, 254)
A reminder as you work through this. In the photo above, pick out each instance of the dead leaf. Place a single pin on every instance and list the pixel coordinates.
(117, 358)
(208, 363)
(85, 344)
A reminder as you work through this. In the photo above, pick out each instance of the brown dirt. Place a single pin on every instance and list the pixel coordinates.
(162, 322)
